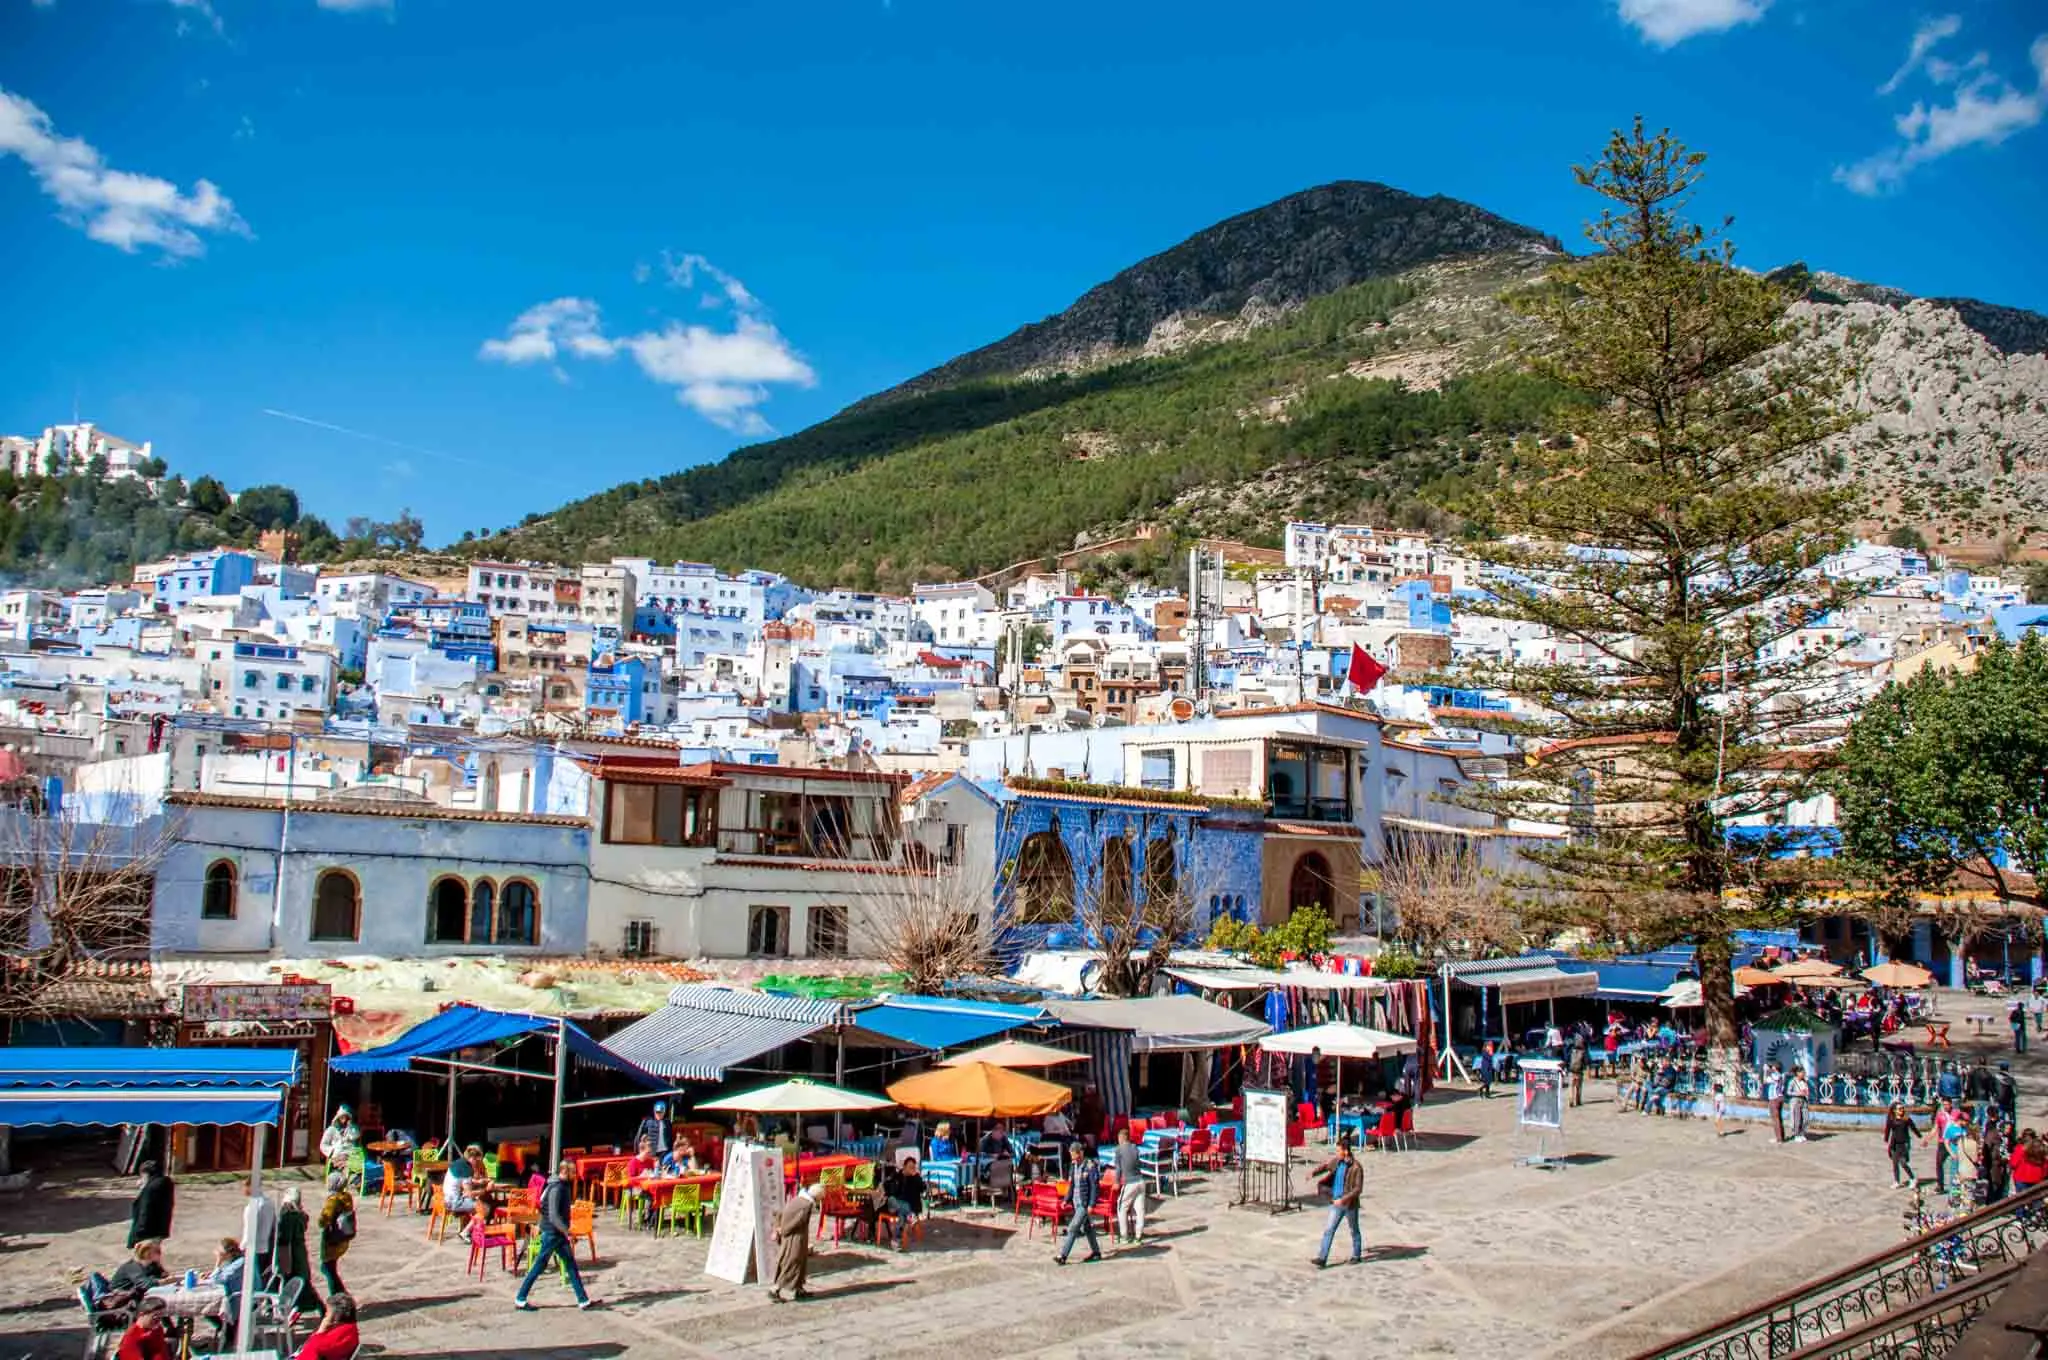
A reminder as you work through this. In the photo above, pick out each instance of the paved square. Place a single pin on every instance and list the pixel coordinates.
(1655, 1227)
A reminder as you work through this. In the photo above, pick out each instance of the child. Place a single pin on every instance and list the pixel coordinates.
(1720, 1108)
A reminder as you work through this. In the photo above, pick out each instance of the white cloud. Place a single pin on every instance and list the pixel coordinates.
(353, 6)
(127, 211)
(723, 374)
(1670, 22)
(1930, 32)
(204, 9)
(1985, 110)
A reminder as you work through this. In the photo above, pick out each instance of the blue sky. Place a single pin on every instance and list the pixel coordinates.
(526, 251)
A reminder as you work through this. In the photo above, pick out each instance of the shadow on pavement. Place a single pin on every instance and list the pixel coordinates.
(847, 1291)
(1585, 1158)
(1393, 1252)
(593, 1350)
(392, 1307)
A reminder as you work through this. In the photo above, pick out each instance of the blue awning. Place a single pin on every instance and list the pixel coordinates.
(942, 1022)
(461, 1027)
(106, 1086)
(1632, 981)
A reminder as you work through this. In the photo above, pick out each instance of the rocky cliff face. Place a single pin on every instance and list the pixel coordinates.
(1250, 266)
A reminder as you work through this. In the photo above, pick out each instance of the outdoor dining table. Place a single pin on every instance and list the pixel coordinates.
(185, 1306)
(595, 1164)
(660, 1189)
(806, 1169)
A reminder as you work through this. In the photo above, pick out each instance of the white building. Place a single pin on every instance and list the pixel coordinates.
(63, 449)
(524, 588)
(371, 594)
(959, 613)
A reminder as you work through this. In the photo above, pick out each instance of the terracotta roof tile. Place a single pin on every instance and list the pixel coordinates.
(412, 811)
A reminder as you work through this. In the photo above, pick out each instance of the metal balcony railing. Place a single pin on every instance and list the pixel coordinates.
(1891, 1291)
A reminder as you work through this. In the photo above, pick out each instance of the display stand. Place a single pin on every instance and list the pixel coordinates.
(1541, 1108)
(750, 1198)
(1263, 1174)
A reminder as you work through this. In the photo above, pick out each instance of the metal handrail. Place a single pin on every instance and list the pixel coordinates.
(1925, 1318)
(1868, 1287)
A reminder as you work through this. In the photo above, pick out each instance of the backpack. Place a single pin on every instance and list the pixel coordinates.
(343, 1228)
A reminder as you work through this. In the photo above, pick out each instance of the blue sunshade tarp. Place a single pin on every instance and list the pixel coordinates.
(461, 1027)
(941, 1022)
(106, 1086)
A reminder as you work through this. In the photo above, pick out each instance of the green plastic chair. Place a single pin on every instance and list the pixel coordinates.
(357, 1167)
(685, 1205)
(491, 1167)
(861, 1177)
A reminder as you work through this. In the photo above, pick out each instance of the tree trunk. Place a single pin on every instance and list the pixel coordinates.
(1715, 954)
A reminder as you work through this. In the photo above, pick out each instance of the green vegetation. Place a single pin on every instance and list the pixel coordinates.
(972, 478)
(1306, 931)
(1943, 777)
(1074, 788)
(1699, 397)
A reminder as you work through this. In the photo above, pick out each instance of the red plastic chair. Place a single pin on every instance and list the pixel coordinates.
(1225, 1151)
(1158, 1121)
(1137, 1127)
(1386, 1131)
(1408, 1128)
(1043, 1202)
(1198, 1148)
(1208, 1119)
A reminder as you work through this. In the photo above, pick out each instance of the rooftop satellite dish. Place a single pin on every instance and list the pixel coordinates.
(1181, 709)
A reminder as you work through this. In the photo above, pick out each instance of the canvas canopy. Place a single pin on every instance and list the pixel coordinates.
(1165, 1024)
(1340, 1041)
(464, 1026)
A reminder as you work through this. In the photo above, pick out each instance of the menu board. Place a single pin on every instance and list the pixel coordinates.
(750, 1198)
(1542, 1093)
(1265, 1126)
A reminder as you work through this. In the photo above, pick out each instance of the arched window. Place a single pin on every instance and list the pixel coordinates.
(483, 899)
(1045, 881)
(1116, 880)
(337, 906)
(217, 902)
(1312, 885)
(1161, 883)
(518, 914)
(447, 911)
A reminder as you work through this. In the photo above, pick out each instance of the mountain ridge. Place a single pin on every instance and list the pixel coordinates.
(1350, 329)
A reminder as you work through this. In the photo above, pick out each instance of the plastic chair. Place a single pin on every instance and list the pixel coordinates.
(903, 1231)
(615, 1183)
(388, 1190)
(861, 1177)
(839, 1207)
(1197, 1148)
(437, 1221)
(276, 1315)
(685, 1205)
(1208, 1119)
(482, 1241)
(355, 1167)
(583, 1226)
(1224, 1153)
(1040, 1202)
(1407, 1132)
(832, 1175)
(1385, 1133)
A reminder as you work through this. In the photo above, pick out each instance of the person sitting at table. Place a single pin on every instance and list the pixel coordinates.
(944, 1149)
(143, 1268)
(903, 1192)
(677, 1159)
(1057, 1125)
(646, 1162)
(340, 1138)
(145, 1338)
(995, 1138)
(337, 1338)
(229, 1268)
(458, 1188)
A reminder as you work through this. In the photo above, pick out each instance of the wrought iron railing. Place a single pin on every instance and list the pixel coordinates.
(1882, 1286)
(1919, 1331)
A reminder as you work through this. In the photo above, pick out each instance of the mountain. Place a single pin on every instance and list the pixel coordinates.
(1341, 353)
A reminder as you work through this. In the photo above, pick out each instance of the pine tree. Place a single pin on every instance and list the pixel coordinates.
(1666, 535)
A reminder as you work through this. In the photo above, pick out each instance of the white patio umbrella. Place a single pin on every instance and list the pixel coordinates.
(1015, 1053)
(1686, 995)
(1339, 1041)
(799, 1096)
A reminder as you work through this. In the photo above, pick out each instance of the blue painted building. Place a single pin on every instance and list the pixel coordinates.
(617, 692)
(1427, 611)
(219, 572)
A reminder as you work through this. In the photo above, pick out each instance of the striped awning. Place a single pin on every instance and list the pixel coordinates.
(1533, 977)
(703, 1030)
(107, 1086)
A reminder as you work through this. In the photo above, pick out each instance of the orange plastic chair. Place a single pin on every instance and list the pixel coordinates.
(393, 1189)
(437, 1224)
(583, 1226)
(840, 1207)
(615, 1183)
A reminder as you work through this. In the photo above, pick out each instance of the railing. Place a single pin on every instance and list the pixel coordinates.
(1875, 1291)
(1924, 1330)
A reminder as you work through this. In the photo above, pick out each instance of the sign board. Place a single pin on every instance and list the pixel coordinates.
(1542, 1094)
(203, 1001)
(751, 1197)
(1265, 1126)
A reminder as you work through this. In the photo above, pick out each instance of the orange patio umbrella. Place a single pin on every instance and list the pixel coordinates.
(1906, 975)
(979, 1089)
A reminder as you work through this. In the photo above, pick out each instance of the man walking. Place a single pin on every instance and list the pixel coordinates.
(791, 1233)
(2017, 1018)
(1578, 1067)
(555, 1198)
(1129, 1224)
(2007, 1093)
(1084, 1184)
(1482, 1068)
(1346, 1180)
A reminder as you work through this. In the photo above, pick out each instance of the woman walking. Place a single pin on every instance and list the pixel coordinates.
(337, 1230)
(1899, 1133)
(290, 1260)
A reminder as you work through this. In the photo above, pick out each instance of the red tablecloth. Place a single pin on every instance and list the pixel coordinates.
(659, 1189)
(806, 1169)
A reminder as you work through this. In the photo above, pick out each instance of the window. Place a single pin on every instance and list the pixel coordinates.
(217, 900)
(248, 679)
(659, 814)
(518, 915)
(642, 940)
(306, 684)
(827, 932)
(284, 682)
(337, 906)
(448, 912)
(1045, 881)
(1161, 882)
(768, 931)
(1155, 770)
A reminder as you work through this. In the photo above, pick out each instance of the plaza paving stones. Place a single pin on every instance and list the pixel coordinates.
(1656, 1227)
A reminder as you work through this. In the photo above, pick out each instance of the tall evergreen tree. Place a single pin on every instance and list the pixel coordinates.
(1666, 535)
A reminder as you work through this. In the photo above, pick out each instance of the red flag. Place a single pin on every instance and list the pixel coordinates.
(1364, 672)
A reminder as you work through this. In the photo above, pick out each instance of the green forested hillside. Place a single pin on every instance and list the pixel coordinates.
(972, 477)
